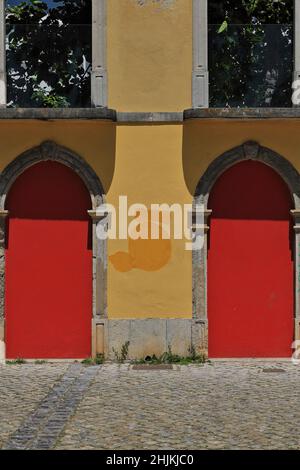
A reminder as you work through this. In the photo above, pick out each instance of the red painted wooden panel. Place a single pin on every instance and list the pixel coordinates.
(250, 264)
(48, 305)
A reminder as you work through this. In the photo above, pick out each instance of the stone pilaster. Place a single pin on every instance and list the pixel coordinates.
(200, 321)
(99, 70)
(3, 215)
(99, 281)
(296, 216)
(200, 86)
(296, 39)
(2, 55)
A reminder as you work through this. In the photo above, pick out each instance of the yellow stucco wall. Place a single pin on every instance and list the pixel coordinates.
(143, 162)
(149, 170)
(205, 140)
(149, 54)
(94, 141)
(151, 163)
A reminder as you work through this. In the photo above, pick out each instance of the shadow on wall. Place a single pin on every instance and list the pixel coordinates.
(92, 140)
(194, 162)
(105, 161)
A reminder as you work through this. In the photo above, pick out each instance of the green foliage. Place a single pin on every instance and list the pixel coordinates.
(251, 11)
(40, 362)
(17, 361)
(223, 27)
(49, 100)
(170, 358)
(90, 361)
(122, 356)
(99, 359)
(250, 53)
(49, 54)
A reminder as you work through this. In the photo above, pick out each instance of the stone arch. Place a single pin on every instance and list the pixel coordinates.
(248, 151)
(49, 150)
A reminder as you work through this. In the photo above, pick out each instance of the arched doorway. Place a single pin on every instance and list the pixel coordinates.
(48, 264)
(250, 270)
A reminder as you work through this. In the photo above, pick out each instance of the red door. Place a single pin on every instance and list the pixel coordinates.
(250, 264)
(48, 302)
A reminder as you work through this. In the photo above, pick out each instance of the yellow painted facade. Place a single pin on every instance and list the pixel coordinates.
(150, 163)
(149, 54)
(205, 140)
(149, 65)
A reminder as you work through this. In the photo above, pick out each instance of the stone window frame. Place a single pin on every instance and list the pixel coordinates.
(50, 151)
(248, 151)
(99, 87)
(200, 73)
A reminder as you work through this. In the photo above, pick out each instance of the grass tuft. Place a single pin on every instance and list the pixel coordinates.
(16, 362)
(170, 358)
(92, 361)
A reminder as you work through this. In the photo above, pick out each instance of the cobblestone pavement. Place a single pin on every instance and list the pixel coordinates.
(226, 405)
(22, 388)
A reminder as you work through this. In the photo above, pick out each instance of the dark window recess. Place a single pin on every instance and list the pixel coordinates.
(250, 53)
(49, 53)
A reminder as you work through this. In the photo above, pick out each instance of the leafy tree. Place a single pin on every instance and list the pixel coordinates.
(49, 53)
(251, 11)
(250, 52)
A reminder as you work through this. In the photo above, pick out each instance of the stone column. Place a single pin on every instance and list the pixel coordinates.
(99, 282)
(200, 88)
(3, 215)
(200, 322)
(296, 39)
(99, 72)
(2, 55)
(296, 215)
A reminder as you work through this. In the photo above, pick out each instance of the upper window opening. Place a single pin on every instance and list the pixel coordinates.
(49, 53)
(250, 53)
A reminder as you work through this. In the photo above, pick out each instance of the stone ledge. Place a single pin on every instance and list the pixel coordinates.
(50, 114)
(46, 114)
(242, 113)
(159, 117)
